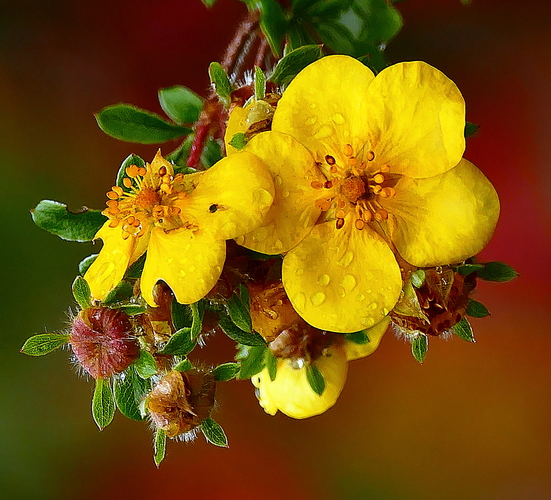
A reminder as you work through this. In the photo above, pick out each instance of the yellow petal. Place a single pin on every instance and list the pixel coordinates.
(416, 119)
(237, 124)
(291, 393)
(342, 280)
(324, 107)
(231, 198)
(189, 263)
(293, 213)
(443, 219)
(114, 258)
(375, 334)
(159, 162)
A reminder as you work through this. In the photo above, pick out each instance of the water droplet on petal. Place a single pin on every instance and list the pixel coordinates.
(323, 132)
(182, 273)
(361, 297)
(367, 321)
(348, 282)
(285, 193)
(338, 118)
(278, 180)
(105, 270)
(318, 298)
(278, 245)
(324, 280)
(373, 306)
(346, 259)
(262, 197)
(384, 311)
(313, 105)
(191, 268)
(299, 272)
(310, 121)
(299, 301)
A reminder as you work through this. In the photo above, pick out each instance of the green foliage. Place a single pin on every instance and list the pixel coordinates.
(197, 311)
(213, 433)
(180, 344)
(103, 404)
(129, 390)
(476, 309)
(81, 292)
(259, 83)
(209, 3)
(181, 315)
(183, 366)
(315, 379)
(239, 140)
(86, 263)
(211, 154)
(360, 337)
(131, 309)
(132, 124)
(159, 447)
(226, 371)
(471, 129)
(497, 271)
(252, 360)
(122, 292)
(273, 22)
(181, 104)
(44, 343)
(418, 278)
(145, 365)
(463, 330)
(419, 346)
(136, 269)
(55, 218)
(271, 363)
(467, 269)
(240, 336)
(294, 62)
(221, 82)
(121, 174)
(239, 313)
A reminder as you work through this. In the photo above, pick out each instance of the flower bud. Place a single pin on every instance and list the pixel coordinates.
(103, 341)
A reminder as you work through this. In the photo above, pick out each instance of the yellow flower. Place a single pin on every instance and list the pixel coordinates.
(182, 222)
(291, 393)
(365, 168)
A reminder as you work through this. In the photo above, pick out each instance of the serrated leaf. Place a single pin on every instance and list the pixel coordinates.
(271, 363)
(360, 338)
(235, 333)
(226, 371)
(129, 390)
(180, 344)
(418, 278)
(55, 218)
(213, 433)
(86, 263)
(81, 292)
(183, 366)
(315, 379)
(273, 23)
(467, 269)
(221, 82)
(197, 311)
(294, 62)
(463, 330)
(497, 271)
(419, 347)
(181, 315)
(239, 313)
(121, 174)
(476, 309)
(103, 404)
(251, 360)
(471, 129)
(180, 103)
(145, 365)
(131, 124)
(43, 343)
(259, 83)
(238, 141)
(123, 291)
(159, 447)
(136, 269)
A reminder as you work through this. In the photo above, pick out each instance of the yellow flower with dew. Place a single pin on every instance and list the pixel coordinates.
(367, 167)
(291, 393)
(182, 221)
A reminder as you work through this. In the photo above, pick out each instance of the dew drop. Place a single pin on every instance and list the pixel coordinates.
(191, 268)
(310, 121)
(338, 118)
(384, 311)
(368, 321)
(278, 180)
(230, 227)
(201, 281)
(372, 306)
(346, 259)
(324, 280)
(105, 270)
(361, 297)
(262, 197)
(182, 273)
(318, 298)
(285, 193)
(261, 233)
(348, 282)
(323, 132)
(368, 290)
(313, 105)
(299, 301)
(278, 245)
(299, 271)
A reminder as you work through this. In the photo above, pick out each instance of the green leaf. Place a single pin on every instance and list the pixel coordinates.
(226, 371)
(213, 433)
(197, 311)
(471, 129)
(129, 390)
(181, 104)
(419, 347)
(182, 316)
(180, 344)
(132, 309)
(476, 309)
(463, 330)
(467, 269)
(209, 3)
(212, 153)
(360, 337)
(221, 82)
(235, 333)
(497, 271)
(239, 313)
(145, 365)
(121, 174)
(259, 83)
(79, 226)
(131, 124)
(294, 62)
(103, 404)
(271, 363)
(122, 292)
(315, 379)
(183, 366)
(239, 140)
(273, 23)
(159, 447)
(81, 292)
(136, 269)
(252, 361)
(86, 263)
(418, 278)
(44, 343)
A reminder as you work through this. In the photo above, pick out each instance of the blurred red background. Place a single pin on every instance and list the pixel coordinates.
(472, 422)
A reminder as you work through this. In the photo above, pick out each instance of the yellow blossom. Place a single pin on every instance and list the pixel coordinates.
(367, 168)
(182, 221)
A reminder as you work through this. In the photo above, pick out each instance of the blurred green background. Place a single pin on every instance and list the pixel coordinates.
(473, 422)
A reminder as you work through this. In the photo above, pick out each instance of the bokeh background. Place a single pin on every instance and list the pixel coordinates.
(472, 422)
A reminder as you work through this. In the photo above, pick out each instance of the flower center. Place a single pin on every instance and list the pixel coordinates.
(148, 199)
(356, 188)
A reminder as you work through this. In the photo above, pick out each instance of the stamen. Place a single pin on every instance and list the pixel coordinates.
(340, 223)
(325, 205)
(366, 216)
(114, 223)
(385, 168)
(112, 203)
(330, 160)
(352, 161)
(377, 189)
(381, 215)
(213, 208)
(127, 182)
(370, 155)
(388, 192)
(118, 190)
(360, 224)
(316, 184)
(341, 203)
(333, 169)
(112, 195)
(162, 171)
(142, 171)
(379, 178)
(132, 171)
(340, 213)
(348, 150)
(328, 185)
